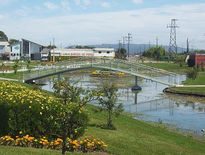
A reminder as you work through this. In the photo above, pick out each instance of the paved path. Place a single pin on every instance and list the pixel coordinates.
(7, 79)
(190, 86)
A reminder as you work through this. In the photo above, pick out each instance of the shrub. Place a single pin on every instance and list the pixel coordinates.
(192, 74)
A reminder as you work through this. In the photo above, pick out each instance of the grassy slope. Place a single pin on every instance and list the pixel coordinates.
(169, 66)
(136, 137)
(200, 80)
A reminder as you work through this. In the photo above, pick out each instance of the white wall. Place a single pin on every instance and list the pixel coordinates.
(15, 52)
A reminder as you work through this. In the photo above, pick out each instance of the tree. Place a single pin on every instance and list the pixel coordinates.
(121, 53)
(155, 52)
(193, 73)
(3, 67)
(15, 67)
(191, 62)
(108, 101)
(51, 46)
(13, 41)
(72, 118)
(28, 65)
(3, 36)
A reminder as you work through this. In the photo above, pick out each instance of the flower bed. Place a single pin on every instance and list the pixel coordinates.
(86, 144)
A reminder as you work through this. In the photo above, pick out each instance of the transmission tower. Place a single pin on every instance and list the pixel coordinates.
(173, 37)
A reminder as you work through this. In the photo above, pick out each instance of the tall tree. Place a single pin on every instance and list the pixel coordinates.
(3, 36)
(13, 41)
(108, 101)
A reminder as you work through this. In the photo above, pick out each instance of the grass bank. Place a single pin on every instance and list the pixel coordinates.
(195, 91)
(132, 137)
(169, 66)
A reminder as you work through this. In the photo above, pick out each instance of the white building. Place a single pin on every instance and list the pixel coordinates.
(64, 54)
(15, 53)
(26, 49)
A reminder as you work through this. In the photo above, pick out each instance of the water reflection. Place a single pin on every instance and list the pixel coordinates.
(150, 102)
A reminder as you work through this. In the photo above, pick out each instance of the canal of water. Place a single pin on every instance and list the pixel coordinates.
(150, 104)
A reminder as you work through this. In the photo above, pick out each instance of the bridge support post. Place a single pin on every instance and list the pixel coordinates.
(136, 87)
(59, 77)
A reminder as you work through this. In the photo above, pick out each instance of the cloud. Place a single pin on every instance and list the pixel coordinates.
(77, 2)
(65, 5)
(1, 16)
(6, 2)
(107, 27)
(86, 2)
(137, 1)
(105, 5)
(51, 6)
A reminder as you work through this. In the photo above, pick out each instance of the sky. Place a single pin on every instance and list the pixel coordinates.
(85, 22)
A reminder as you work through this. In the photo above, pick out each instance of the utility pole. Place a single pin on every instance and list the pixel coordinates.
(187, 47)
(149, 44)
(119, 45)
(123, 41)
(129, 37)
(173, 39)
(157, 41)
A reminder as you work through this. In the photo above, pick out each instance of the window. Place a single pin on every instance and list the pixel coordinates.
(99, 52)
(14, 54)
(108, 52)
(1, 47)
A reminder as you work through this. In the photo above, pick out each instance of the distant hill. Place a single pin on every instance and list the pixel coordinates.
(135, 48)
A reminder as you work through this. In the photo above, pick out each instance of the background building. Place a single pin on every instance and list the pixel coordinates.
(26, 49)
(196, 59)
(4, 50)
(65, 54)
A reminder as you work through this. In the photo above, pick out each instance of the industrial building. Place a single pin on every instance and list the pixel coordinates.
(65, 54)
(26, 49)
(196, 59)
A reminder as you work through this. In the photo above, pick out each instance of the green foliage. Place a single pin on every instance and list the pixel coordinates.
(192, 74)
(156, 53)
(51, 46)
(83, 47)
(199, 51)
(121, 53)
(3, 67)
(15, 67)
(3, 36)
(108, 101)
(202, 67)
(72, 117)
(191, 62)
(13, 41)
(28, 65)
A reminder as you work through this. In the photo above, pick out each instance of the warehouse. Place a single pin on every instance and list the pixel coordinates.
(65, 54)
(196, 59)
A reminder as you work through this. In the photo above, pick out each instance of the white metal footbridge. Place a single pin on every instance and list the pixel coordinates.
(132, 68)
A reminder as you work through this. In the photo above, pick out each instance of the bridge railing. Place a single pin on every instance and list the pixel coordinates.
(113, 64)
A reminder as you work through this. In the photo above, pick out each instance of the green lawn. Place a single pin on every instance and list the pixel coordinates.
(169, 66)
(200, 80)
(137, 137)
(7, 150)
(132, 137)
